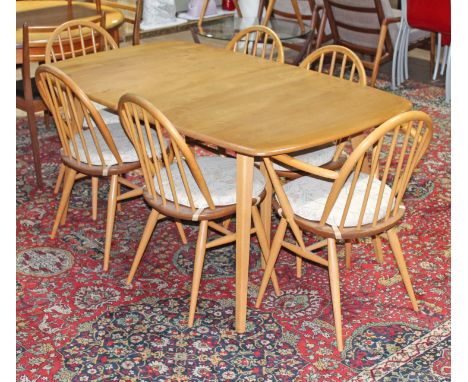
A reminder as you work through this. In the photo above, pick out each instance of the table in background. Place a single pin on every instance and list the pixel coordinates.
(251, 106)
(55, 13)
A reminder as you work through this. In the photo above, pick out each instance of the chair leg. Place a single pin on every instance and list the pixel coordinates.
(197, 269)
(377, 241)
(226, 223)
(111, 207)
(262, 240)
(119, 205)
(35, 145)
(47, 119)
(274, 252)
(298, 266)
(348, 248)
(94, 196)
(335, 290)
(397, 252)
(149, 228)
(59, 181)
(67, 187)
(180, 229)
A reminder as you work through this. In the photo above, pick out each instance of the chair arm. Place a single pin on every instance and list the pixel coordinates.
(391, 20)
(310, 169)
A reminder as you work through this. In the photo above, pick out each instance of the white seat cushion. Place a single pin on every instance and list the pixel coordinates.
(308, 196)
(220, 177)
(122, 142)
(316, 157)
(107, 114)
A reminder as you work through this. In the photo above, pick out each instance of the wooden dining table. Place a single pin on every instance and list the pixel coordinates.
(250, 106)
(56, 12)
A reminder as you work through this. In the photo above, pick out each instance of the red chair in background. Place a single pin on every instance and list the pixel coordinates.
(429, 15)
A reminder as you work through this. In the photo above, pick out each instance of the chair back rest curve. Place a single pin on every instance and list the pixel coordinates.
(76, 38)
(259, 41)
(340, 60)
(139, 117)
(80, 126)
(393, 150)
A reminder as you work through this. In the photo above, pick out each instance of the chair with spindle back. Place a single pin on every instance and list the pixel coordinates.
(259, 41)
(180, 186)
(89, 146)
(354, 202)
(80, 38)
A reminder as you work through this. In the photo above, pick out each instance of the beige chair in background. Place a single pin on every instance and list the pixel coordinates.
(352, 202)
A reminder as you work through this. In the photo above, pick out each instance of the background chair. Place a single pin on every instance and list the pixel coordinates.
(353, 202)
(89, 146)
(259, 41)
(430, 15)
(132, 13)
(369, 28)
(180, 186)
(27, 95)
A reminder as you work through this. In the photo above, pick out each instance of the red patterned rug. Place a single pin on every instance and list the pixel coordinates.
(77, 323)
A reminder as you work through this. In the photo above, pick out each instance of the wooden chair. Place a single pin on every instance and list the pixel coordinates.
(259, 41)
(368, 27)
(27, 96)
(351, 202)
(89, 146)
(70, 40)
(132, 15)
(180, 186)
(340, 62)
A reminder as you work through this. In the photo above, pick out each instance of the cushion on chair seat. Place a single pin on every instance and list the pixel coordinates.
(308, 196)
(316, 157)
(122, 142)
(107, 114)
(220, 177)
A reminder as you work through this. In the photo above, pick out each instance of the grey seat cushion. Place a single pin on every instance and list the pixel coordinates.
(107, 114)
(308, 196)
(122, 142)
(316, 157)
(220, 177)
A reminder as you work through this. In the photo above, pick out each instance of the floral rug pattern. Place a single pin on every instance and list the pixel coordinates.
(78, 323)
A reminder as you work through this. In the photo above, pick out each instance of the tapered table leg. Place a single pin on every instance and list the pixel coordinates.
(243, 224)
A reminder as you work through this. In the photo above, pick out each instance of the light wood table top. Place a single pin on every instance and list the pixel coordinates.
(55, 13)
(243, 103)
(239, 102)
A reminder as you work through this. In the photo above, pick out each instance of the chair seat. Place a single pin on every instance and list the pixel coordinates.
(107, 114)
(122, 142)
(220, 177)
(20, 89)
(316, 157)
(309, 195)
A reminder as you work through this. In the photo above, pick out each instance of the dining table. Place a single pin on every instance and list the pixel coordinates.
(252, 107)
(52, 13)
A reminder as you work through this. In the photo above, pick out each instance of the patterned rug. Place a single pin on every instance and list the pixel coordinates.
(77, 323)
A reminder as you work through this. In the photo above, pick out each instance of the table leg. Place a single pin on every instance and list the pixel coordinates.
(243, 223)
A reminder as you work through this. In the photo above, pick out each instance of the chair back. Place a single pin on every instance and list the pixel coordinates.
(163, 169)
(78, 38)
(337, 61)
(82, 131)
(429, 15)
(259, 41)
(369, 187)
(132, 15)
(357, 24)
(392, 150)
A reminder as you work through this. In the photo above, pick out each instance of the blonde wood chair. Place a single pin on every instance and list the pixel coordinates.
(352, 202)
(89, 146)
(180, 186)
(132, 15)
(73, 39)
(259, 41)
